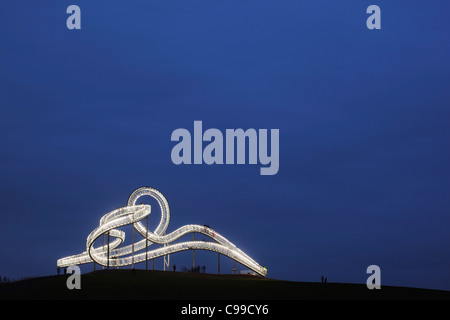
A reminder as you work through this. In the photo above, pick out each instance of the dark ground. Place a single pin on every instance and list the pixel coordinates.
(160, 285)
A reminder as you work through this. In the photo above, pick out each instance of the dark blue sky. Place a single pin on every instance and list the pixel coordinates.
(86, 117)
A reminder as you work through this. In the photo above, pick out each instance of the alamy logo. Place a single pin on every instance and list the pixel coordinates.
(74, 281)
(374, 280)
(235, 142)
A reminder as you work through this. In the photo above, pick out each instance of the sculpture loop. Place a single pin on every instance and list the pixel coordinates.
(115, 256)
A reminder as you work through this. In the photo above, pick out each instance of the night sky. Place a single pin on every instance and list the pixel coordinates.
(86, 117)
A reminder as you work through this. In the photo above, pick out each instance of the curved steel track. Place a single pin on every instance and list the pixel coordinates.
(133, 214)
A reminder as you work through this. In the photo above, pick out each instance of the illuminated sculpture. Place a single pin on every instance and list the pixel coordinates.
(113, 255)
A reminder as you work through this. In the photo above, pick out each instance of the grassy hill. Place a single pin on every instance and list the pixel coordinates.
(154, 285)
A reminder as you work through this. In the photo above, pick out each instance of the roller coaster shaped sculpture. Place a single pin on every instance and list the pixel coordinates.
(111, 255)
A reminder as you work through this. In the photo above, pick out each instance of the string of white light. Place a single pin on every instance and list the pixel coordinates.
(115, 256)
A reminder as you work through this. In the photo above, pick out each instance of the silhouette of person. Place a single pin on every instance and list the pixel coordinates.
(322, 279)
(174, 268)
